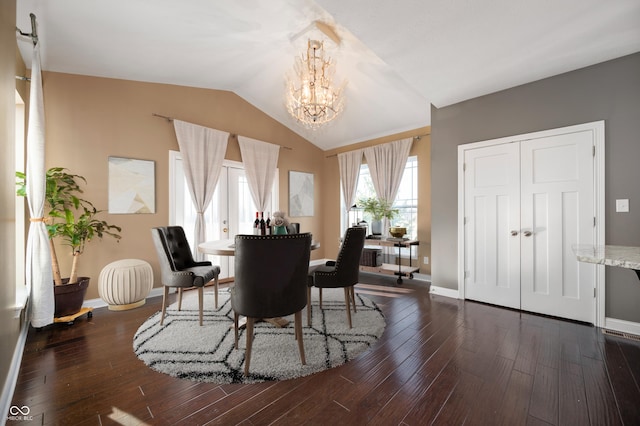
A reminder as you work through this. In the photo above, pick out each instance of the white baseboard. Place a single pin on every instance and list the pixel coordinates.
(446, 292)
(99, 303)
(622, 326)
(156, 292)
(94, 303)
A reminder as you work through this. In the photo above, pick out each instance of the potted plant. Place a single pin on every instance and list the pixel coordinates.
(378, 209)
(73, 220)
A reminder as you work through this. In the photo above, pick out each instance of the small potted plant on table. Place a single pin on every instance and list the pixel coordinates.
(379, 209)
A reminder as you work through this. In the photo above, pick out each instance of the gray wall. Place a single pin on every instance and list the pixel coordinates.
(608, 91)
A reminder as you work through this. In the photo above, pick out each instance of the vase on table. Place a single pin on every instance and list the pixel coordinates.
(376, 227)
(280, 230)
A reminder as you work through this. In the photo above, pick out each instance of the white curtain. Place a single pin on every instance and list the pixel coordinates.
(386, 164)
(349, 164)
(260, 162)
(202, 152)
(38, 260)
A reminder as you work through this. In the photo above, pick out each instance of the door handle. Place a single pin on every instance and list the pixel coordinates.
(527, 233)
(514, 233)
(225, 230)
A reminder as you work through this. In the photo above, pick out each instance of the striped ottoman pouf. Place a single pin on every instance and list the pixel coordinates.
(125, 284)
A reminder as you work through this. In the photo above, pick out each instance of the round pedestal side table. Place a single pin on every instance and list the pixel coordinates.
(125, 284)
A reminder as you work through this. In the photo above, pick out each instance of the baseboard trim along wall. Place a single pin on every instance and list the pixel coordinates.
(446, 292)
(622, 326)
(99, 303)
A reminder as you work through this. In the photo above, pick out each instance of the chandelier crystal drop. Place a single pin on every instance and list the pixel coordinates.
(311, 98)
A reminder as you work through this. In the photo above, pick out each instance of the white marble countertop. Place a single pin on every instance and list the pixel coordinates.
(621, 256)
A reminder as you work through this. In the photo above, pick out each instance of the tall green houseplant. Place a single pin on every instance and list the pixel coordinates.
(70, 218)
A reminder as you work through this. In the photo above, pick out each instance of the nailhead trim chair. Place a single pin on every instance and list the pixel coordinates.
(341, 273)
(179, 269)
(270, 281)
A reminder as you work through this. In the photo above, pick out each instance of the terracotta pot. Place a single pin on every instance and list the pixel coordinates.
(69, 297)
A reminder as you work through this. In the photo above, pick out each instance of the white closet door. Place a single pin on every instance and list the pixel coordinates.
(492, 216)
(557, 175)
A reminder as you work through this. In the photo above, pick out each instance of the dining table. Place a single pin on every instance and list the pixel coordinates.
(227, 248)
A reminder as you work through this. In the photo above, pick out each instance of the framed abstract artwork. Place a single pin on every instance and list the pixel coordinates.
(131, 186)
(300, 194)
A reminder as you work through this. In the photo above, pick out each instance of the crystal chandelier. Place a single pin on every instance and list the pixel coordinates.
(311, 98)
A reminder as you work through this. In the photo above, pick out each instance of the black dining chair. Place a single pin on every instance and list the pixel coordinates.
(270, 281)
(179, 269)
(341, 273)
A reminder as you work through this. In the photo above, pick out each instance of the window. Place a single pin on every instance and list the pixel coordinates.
(406, 200)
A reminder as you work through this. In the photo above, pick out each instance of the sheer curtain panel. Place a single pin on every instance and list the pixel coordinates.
(349, 164)
(202, 152)
(260, 162)
(386, 164)
(38, 260)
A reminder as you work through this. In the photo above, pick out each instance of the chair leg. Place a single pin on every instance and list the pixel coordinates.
(353, 298)
(308, 306)
(215, 284)
(235, 329)
(165, 296)
(179, 298)
(297, 318)
(320, 296)
(347, 305)
(247, 355)
(200, 302)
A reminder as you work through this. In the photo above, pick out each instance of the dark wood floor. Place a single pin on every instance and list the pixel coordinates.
(440, 361)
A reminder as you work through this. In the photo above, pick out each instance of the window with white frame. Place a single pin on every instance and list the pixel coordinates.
(406, 200)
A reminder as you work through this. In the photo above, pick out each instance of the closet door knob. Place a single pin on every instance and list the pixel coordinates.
(527, 233)
(514, 233)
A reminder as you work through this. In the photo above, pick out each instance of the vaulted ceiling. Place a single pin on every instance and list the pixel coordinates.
(397, 57)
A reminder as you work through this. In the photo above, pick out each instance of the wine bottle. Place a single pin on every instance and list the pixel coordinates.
(256, 225)
(263, 225)
(268, 224)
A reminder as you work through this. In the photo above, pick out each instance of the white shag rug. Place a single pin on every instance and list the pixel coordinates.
(181, 348)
